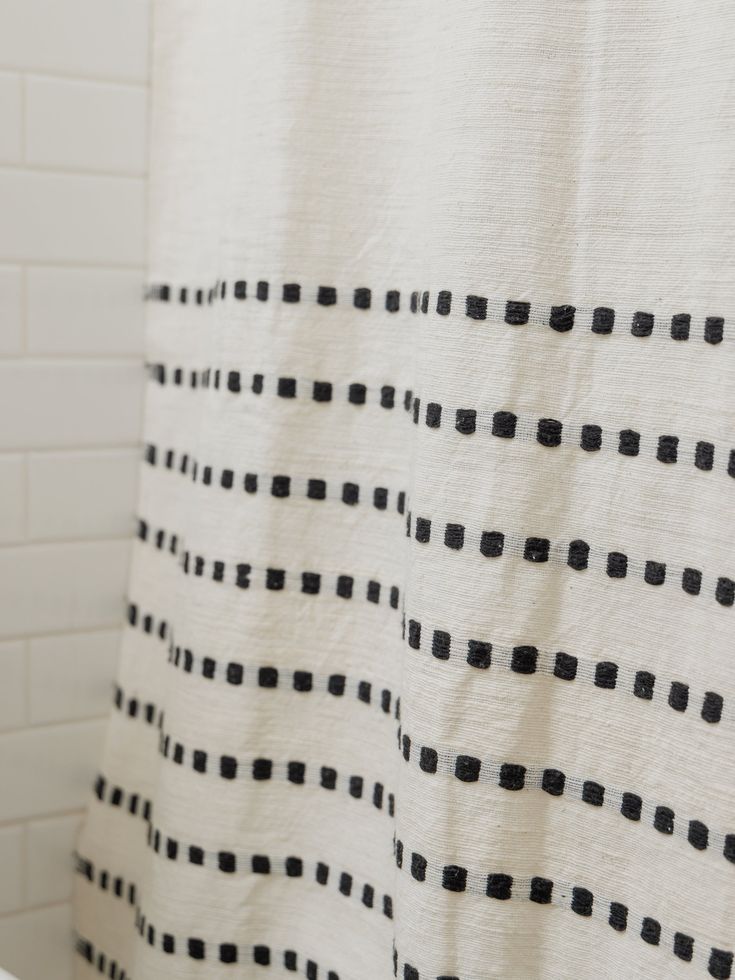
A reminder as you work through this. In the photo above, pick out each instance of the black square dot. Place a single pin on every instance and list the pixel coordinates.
(250, 483)
(316, 489)
(499, 886)
(291, 292)
(344, 586)
(287, 387)
(467, 768)
(667, 449)
(713, 329)
(425, 302)
(336, 684)
(233, 381)
(516, 312)
(565, 666)
(241, 289)
(303, 680)
(466, 420)
(357, 393)
(683, 946)
(582, 900)
(512, 776)
(720, 964)
(476, 307)
(260, 864)
(350, 493)
(262, 769)
(479, 654)
(629, 442)
(591, 438)
(227, 767)
(454, 536)
(578, 555)
(267, 677)
(294, 867)
(373, 591)
(440, 645)
(310, 582)
(663, 819)
(679, 696)
(234, 673)
(392, 300)
(536, 549)
(414, 302)
(428, 759)
(593, 793)
(698, 835)
(454, 878)
(491, 543)
(712, 707)
(603, 320)
(552, 782)
(725, 591)
(433, 415)
(443, 302)
(561, 318)
(680, 324)
(651, 931)
(691, 581)
(541, 891)
(524, 659)
(275, 579)
(414, 634)
(257, 385)
(617, 565)
(704, 456)
(196, 855)
(195, 948)
(642, 325)
(387, 396)
(362, 298)
(655, 573)
(380, 498)
(322, 391)
(355, 786)
(630, 806)
(643, 685)
(423, 530)
(606, 674)
(226, 861)
(418, 867)
(504, 425)
(549, 432)
(345, 885)
(326, 296)
(296, 773)
(328, 777)
(618, 918)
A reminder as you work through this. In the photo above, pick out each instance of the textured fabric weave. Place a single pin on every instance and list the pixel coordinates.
(428, 669)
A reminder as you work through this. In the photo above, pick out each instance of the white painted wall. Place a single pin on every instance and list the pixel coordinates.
(73, 120)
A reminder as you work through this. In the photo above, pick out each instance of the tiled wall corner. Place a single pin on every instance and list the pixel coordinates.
(73, 152)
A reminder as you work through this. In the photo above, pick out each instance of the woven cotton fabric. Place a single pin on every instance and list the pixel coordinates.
(428, 669)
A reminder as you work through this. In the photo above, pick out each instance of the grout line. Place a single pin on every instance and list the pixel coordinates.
(40, 726)
(81, 630)
(4, 916)
(139, 176)
(53, 73)
(52, 815)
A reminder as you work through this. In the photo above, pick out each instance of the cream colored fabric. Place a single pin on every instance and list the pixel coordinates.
(550, 728)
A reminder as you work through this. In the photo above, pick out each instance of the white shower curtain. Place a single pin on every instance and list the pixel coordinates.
(428, 669)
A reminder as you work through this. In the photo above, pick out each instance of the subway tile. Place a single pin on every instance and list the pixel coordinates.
(11, 870)
(82, 494)
(85, 311)
(84, 125)
(70, 404)
(11, 117)
(12, 495)
(49, 847)
(11, 310)
(48, 769)
(71, 676)
(13, 689)
(36, 945)
(53, 587)
(51, 217)
(77, 37)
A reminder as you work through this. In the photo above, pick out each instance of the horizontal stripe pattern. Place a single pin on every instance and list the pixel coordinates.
(501, 886)
(562, 318)
(577, 555)
(526, 659)
(502, 424)
(515, 776)
(281, 486)
(244, 575)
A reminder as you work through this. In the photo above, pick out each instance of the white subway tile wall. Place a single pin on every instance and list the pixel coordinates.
(73, 146)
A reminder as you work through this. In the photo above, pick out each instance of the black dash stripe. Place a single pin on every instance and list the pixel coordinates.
(500, 886)
(481, 653)
(600, 320)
